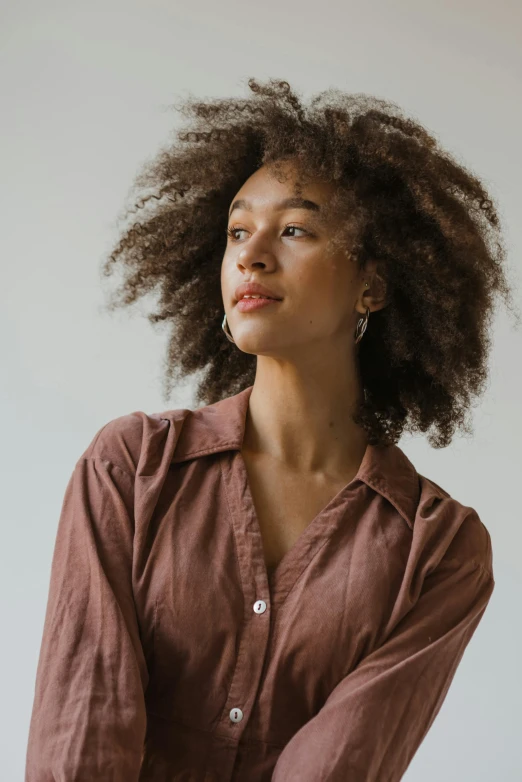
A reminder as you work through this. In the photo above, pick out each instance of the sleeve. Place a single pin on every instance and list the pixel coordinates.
(88, 718)
(374, 720)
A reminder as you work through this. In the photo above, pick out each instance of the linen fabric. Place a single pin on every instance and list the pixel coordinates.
(170, 655)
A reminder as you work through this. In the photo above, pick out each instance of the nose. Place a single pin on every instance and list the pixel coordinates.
(255, 256)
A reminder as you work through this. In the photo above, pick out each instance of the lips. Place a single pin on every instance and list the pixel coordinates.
(255, 289)
(252, 305)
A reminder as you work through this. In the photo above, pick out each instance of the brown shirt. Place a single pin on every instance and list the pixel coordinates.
(169, 655)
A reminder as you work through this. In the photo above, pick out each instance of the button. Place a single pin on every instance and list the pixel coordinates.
(236, 715)
(260, 607)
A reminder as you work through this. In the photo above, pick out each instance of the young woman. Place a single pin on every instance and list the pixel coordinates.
(264, 587)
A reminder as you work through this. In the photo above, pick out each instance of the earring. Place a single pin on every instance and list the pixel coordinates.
(224, 326)
(362, 323)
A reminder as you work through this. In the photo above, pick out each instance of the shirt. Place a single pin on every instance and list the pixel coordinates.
(169, 654)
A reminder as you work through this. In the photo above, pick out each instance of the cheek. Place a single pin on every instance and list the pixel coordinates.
(225, 278)
(326, 295)
(224, 268)
(327, 284)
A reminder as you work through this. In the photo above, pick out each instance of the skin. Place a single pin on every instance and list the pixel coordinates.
(306, 377)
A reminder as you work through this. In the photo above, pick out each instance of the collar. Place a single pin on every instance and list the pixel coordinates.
(221, 427)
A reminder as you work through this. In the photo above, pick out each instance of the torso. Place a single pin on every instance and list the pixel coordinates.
(286, 502)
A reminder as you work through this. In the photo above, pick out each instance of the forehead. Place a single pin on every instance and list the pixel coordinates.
(262, 187)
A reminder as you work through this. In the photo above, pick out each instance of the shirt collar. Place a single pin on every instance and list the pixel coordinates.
(221, 427)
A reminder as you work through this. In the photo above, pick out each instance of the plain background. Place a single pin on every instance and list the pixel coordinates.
(85, 91)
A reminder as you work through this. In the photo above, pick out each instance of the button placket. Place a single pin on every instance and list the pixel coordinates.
(236, 714)
(253, 640)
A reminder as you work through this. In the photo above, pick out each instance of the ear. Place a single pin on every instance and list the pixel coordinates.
(375, 295)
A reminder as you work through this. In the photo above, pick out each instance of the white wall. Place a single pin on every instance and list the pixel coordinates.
(84, 91)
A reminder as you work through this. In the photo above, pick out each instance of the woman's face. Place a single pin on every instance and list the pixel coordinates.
(284, 248)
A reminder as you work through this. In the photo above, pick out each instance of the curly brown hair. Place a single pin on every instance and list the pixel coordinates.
(430, 223)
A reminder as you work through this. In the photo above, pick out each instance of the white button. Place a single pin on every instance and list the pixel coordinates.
(236, 715)
(260, 607)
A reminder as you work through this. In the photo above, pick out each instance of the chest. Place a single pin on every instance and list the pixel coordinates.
(216, 635)
(286, 503)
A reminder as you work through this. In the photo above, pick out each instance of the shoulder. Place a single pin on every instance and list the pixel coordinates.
(455, 530)
(138, 441)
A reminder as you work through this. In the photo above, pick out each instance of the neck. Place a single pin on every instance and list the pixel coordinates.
(304, 420)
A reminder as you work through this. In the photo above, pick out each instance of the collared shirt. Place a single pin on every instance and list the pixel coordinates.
(170, 655)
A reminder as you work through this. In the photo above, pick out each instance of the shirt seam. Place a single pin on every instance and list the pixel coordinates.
(231, 518)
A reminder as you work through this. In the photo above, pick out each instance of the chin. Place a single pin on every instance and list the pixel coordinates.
(257, 344)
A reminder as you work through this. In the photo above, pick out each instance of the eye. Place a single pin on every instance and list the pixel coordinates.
(231, 232)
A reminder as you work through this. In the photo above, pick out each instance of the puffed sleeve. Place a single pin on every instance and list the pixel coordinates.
(374, 720)
(88, 719)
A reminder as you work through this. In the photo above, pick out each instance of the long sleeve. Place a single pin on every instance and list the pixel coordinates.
(88, 720)
(374, 720)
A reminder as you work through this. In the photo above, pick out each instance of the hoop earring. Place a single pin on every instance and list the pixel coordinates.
(362, 323)
(224, 326)
(361, 326)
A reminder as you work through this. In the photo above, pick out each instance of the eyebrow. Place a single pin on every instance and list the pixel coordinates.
(286, 203)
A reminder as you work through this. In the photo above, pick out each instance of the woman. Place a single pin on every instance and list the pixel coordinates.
(265, 588)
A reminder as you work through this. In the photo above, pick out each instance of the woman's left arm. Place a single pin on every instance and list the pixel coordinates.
(374, 720)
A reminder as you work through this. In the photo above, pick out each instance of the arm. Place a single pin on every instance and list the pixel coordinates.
(374, 720)
(88, 719)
